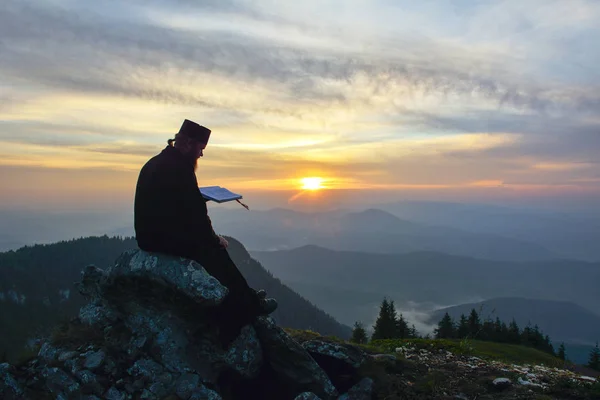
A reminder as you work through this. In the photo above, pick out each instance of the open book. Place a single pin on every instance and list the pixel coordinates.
(221, 195)
(218, 194)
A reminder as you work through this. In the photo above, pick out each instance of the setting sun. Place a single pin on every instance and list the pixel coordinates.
(312, 183)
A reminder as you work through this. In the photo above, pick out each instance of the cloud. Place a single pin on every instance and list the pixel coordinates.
(553, 166)
(83, 53)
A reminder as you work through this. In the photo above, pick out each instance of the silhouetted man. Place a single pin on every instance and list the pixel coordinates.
(171, 217)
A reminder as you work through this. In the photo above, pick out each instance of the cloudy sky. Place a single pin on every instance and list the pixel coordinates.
(464, 96)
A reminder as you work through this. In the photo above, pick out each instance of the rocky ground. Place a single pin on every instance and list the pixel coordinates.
(440, 374)
(147, 333)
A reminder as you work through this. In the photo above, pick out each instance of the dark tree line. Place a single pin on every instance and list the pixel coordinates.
(493, 330)
(389, 325)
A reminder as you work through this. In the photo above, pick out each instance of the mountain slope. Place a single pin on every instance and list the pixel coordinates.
(36, 288)
(372, 230)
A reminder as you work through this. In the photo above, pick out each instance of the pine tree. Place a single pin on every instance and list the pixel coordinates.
(514, 333)
(526, 336)
(395, 332)
(561, 352)
(474, 324)
(413, 332)
(537, 339)
(487, 330)
(504, 335)
(359, 334)
(548, 348)
(402, 330)
(594, 361)
(463, 327)
(498, 334)
(445, 329)
(385, 325)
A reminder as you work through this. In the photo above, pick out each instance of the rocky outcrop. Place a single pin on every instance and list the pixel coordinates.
(149, 332)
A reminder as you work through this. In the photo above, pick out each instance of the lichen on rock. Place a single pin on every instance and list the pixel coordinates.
(345, 353)
(186, 276)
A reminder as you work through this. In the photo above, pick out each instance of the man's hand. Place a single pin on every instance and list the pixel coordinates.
(223, 242)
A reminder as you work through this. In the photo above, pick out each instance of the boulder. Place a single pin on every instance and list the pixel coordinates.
(501, 383)
(185, 277)
(340, 361)
(347, 354)
(292, 364)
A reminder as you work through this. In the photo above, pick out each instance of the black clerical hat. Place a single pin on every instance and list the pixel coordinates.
(195, 131)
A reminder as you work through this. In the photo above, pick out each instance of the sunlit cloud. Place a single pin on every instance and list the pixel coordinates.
(556, 166)
(489, 183)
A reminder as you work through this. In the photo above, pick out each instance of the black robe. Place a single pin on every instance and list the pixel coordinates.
(171, 217)
(170, 214)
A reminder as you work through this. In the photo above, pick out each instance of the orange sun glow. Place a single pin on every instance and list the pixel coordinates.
(312, 183)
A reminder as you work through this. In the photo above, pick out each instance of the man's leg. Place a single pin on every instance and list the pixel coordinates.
(242, 305)
(220, 265)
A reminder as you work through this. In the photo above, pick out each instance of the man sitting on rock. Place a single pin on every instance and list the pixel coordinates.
(171, 217)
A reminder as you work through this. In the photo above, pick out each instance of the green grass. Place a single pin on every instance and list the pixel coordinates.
(508, 353)
(304, 335)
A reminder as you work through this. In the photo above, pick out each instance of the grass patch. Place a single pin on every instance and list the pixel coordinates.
(508, 353)
(301, 335)
(515, 354)
(432, 384)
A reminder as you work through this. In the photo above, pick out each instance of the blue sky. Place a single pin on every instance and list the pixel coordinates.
(397, 95)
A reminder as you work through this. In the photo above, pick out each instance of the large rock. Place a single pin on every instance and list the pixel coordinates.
(340, 361)
(150, 331)
(180, 275)
(346, 354)
(291, 362)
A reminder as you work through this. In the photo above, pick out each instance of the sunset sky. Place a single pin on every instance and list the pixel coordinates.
(480, 98)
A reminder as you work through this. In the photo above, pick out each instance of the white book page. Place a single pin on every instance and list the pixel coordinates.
(219, 193)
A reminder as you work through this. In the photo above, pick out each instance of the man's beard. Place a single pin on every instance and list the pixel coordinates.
(192, 159)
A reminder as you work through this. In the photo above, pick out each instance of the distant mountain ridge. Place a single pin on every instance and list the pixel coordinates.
(37, 288)
(573, 235)
(371, 230)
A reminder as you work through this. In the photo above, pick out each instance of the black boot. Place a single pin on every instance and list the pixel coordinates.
(267, 306)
